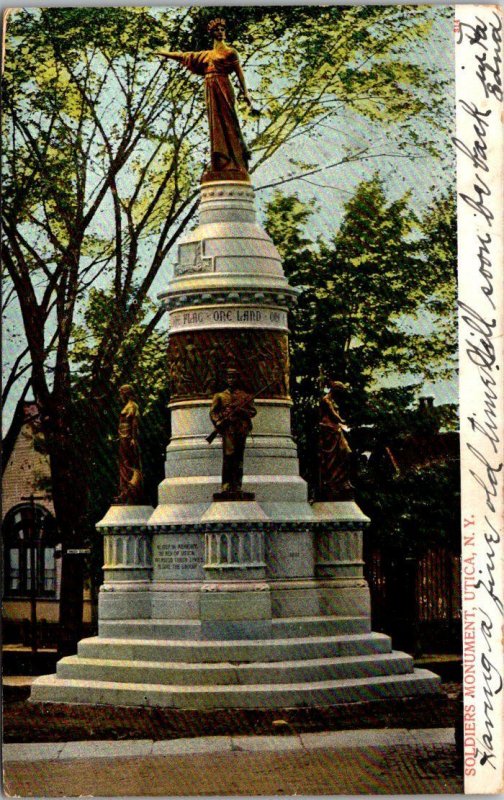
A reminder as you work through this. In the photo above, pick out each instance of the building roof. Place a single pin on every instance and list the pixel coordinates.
(421, 450)
(26, 413)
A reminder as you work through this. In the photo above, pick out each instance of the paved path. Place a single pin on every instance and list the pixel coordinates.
(394, 761)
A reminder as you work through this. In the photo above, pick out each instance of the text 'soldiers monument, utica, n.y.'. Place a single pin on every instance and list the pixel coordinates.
(234, 591)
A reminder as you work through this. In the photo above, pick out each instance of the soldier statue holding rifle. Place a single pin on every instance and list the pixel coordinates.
(231, 413)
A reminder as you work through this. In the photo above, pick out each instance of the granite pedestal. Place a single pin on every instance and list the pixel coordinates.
(218, 604)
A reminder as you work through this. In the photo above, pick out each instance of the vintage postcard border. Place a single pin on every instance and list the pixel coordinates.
(479, 144)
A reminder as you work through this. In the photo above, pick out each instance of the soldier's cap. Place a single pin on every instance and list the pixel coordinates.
(232, 371)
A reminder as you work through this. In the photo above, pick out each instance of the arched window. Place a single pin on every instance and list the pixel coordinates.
(25, 529)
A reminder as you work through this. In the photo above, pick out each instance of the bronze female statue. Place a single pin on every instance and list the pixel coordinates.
(130, 468)
(229, 154)
(334, 449)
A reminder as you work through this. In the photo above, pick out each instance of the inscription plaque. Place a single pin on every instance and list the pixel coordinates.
(289, 555)
(192, 259)
(178, 557)
(243, 316)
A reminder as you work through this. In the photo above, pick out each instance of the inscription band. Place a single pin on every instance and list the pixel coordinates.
(228, 316)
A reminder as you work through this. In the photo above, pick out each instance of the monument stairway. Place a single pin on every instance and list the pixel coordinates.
(281, 628)
(306, 661)
(254, 600)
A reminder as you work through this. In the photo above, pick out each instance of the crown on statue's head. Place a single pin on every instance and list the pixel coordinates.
(214, 23)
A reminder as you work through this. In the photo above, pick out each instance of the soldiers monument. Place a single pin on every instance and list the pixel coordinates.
(234, 591)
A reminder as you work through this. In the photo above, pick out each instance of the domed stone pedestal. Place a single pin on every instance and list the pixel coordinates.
(259, 603)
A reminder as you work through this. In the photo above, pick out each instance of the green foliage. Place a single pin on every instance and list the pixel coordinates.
(286, 219)
(355, 316)
(103, 146)
(143, 364)
(440, 231)
(103, 142)
(415, 511)
(440, 245)
(103, 149)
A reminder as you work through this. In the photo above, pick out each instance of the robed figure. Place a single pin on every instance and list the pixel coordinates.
(231, 412)
(229, 154)
(334, 450)
(130, 468)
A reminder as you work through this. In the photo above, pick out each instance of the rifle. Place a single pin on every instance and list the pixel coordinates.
(234, 409)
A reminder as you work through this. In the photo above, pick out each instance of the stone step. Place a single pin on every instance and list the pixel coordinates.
(225, 674)
(259, 445)
(51, 688)
(267, 488)
(285, 628)
(181, 462)
(238, 650)
(150, 629)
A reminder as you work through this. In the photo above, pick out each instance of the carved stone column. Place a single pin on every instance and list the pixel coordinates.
(236, 552)
(127, 567)
(228, 303)
(127, 555)
(235, 600)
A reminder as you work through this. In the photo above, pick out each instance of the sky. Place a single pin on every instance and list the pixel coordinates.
(329, 189)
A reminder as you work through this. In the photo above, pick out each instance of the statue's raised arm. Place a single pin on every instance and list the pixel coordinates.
(229, 153)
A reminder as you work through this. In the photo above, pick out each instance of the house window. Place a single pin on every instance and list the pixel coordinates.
(29, 543)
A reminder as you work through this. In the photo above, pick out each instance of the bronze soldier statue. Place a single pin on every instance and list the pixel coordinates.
(229, 153)
(231, 413)
(130, 467)
(334, 450)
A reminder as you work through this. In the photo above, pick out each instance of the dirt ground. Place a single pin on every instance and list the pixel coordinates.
(57, 722)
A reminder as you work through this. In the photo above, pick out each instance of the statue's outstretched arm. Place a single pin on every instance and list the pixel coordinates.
(174, 55)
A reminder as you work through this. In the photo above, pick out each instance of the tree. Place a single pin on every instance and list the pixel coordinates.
(66, 160)
(146, 368)
(103, 150)
(439, 230)
(355, 318)
(439, 227)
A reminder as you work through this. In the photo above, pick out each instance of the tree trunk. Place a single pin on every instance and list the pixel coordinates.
(71, 603)
(69, 471)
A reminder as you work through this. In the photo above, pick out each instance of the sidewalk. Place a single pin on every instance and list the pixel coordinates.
(394, 761)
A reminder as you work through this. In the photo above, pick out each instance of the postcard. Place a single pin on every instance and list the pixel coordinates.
(252, 400)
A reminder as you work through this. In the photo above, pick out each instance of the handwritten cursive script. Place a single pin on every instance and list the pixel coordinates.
(479, 113)
(489, 59)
